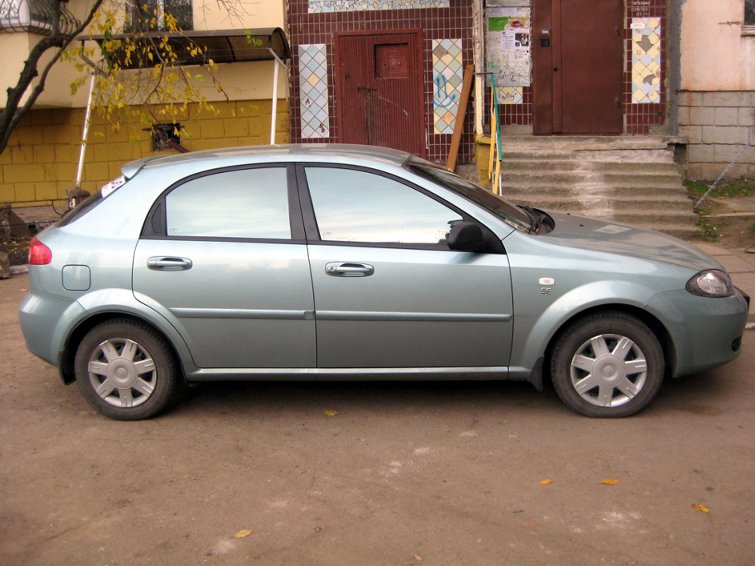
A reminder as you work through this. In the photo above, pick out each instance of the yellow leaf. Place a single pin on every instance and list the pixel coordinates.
(700, 507)
(545, 482)
(243, 533)
(331, 413)
(609, 482)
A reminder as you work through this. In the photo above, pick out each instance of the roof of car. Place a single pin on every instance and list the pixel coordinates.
(283, 152)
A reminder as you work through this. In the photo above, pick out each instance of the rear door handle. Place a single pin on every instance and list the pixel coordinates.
(168, 263)
(348, 269)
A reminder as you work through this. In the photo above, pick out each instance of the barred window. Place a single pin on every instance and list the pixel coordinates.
(30, 15)
(149, 15)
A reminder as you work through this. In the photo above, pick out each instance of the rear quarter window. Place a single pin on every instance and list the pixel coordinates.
(93, 201)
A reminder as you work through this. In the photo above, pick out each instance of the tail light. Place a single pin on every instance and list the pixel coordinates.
(39, 254)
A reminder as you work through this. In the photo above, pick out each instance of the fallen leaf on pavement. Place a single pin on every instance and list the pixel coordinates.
(609, 482)
(243, 533)
(545, 482)
(700, 507)
(331, 413)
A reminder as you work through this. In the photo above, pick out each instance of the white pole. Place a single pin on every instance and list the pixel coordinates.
(85, 133)
(275, 100)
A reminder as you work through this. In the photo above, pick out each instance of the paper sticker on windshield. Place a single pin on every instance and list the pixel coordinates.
(108, 189)
(612, 229)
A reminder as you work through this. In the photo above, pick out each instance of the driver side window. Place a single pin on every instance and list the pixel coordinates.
(359, 206)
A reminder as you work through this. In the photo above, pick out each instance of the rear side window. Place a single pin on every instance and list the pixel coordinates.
(248, 203)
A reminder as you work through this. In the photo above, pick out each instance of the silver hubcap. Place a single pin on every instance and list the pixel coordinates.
(608, 370)
(122, 372)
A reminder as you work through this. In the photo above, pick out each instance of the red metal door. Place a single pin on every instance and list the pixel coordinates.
(577, 58)
(379, 89)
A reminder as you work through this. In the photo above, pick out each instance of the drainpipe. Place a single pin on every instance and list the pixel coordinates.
(674, 64)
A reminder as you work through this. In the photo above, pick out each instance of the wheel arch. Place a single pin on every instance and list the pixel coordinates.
(651, 321)
(68, 354)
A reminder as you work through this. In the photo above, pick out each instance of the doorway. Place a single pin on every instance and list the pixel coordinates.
(577, 67)
(379, 89)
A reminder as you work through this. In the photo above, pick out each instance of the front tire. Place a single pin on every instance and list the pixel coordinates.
(127, 371)
(607, 365)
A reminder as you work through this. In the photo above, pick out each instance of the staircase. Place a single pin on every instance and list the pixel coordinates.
(632, 180)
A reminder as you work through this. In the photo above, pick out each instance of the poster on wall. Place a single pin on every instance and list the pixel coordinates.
(507, 50)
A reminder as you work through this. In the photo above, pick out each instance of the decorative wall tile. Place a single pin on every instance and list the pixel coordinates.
(329, 6)
(510, 94)
(313, 81)
(646, 60)
(448, 78)
(455, 21)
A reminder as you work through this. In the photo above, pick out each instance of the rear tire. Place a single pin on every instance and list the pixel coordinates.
(607, 365)
(127, 371)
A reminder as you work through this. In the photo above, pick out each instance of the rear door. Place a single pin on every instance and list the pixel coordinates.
(388, 291)
(223, 257)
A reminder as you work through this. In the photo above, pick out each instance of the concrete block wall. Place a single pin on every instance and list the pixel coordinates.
(41, 160)
(717, 125)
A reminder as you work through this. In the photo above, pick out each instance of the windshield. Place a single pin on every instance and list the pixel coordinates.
(503, 209)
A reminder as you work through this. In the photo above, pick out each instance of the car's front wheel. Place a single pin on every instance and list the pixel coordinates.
(607, 365)
(126, 370)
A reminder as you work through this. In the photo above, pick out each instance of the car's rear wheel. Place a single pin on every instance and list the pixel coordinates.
(127, 371)
(607, 365)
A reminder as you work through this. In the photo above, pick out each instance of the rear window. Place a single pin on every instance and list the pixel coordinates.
(92, 202)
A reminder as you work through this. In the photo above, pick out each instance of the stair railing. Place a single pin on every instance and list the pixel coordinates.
(496, 152)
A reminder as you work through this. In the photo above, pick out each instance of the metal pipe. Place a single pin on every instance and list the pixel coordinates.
(273, 118)
(85, 133)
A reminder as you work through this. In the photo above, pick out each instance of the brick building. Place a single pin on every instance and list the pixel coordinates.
(390, 72)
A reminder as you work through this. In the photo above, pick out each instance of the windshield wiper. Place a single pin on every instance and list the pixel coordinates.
(536, 217)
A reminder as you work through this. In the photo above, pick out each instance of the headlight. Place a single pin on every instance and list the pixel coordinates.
(711, 283)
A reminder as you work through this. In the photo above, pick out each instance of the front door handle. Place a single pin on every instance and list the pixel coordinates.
(348, 269)
(169, 263)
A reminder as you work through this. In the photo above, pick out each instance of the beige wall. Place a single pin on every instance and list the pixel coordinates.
(241, 14)
(714, 53)
(242, 81)
(16, 46)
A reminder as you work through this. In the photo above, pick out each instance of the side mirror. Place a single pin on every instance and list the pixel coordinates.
(466, 237)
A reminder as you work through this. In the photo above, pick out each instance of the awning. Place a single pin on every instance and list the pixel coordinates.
(222, 46)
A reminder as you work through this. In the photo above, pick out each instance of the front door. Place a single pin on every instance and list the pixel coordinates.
(577, 60)
(389, 293)
(379, 88)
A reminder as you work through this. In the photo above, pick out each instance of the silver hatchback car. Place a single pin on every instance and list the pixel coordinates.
(350, 262)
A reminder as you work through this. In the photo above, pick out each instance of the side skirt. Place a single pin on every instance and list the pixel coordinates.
(348, 374)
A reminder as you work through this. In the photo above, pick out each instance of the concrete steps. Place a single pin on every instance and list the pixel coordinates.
(633, 180)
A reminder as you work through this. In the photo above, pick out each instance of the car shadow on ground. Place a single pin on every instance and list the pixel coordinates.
(382, 396)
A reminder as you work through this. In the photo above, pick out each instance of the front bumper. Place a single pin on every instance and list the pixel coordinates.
(705, 332)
